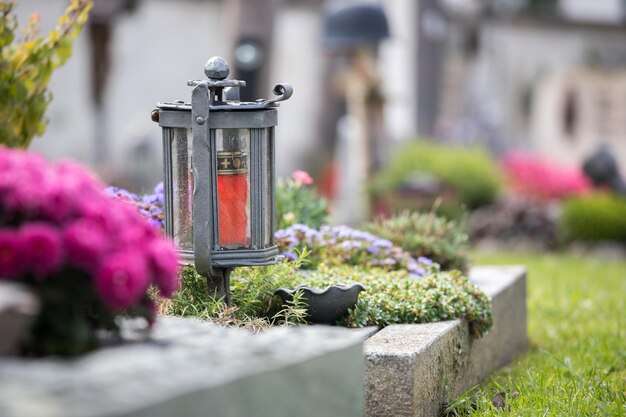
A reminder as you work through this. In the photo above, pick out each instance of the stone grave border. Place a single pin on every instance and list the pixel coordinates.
(192, 368)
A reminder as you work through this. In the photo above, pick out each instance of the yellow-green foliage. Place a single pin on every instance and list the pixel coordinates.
(26, 65)
(594, 217)
(471, 171)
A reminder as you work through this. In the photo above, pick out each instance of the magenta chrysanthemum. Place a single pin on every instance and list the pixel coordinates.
(11, 263)
(85, 243)
(56, 218)
(163, 263)
(84, 254)
(42, 249)
(122, 279)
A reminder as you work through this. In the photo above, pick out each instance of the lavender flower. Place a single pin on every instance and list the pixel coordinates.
(424, 261)
(289, 255)
(150, 206)
(335, 245)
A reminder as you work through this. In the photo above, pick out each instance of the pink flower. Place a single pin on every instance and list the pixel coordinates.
(11, 262)
(164, 266)
(122, 279)
(302, 177)
(86, 243)
(532, 176)
(43, 251)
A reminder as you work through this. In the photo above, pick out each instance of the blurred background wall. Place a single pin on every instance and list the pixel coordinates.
(547, 75)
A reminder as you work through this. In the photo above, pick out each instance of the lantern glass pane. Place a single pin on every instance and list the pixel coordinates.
(182, 184)
(268, 191)
(233, 187)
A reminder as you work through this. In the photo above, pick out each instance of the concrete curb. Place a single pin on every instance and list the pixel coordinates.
(412, 370)
(190, 368)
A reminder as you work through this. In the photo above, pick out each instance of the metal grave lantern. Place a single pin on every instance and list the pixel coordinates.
(218, 156)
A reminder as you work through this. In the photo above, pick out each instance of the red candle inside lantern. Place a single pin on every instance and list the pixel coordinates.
(232, 191)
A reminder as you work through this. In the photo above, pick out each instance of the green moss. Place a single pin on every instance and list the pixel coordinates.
(594, 217)
(393, 298)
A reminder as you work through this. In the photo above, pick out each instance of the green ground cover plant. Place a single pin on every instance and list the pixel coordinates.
(577, 326)
(391, 297)
(427, 235)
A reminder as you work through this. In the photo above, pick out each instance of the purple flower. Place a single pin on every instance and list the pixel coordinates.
(282, 234)
(373, 250)
(120, 193)
(289, 255)
(11, 248)
(150, 206)
(382, 243)
(420, 271)
(158, 192)
(122, 279)
(43, 251)
(424, 261)
(158, 189)
(351, 244)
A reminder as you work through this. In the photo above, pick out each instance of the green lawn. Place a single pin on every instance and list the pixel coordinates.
(577, 327)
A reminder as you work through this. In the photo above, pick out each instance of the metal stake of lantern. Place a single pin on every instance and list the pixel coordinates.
(218, 156)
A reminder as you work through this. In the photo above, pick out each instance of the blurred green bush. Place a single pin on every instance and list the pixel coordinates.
(297, 202)
(426, 234)
(594, 217)
(466, 176)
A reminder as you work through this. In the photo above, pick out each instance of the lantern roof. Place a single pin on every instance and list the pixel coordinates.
(217, 70)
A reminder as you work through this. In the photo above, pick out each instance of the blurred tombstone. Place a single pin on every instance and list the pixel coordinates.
(253, 24)
(574, 111)
(352, 34)
(139, 164)
(602, 170)
(100, 27)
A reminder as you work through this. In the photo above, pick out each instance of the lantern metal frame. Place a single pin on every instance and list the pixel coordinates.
(215, 105)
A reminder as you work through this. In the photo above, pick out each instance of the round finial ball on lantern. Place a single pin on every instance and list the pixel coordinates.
(216, 68)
